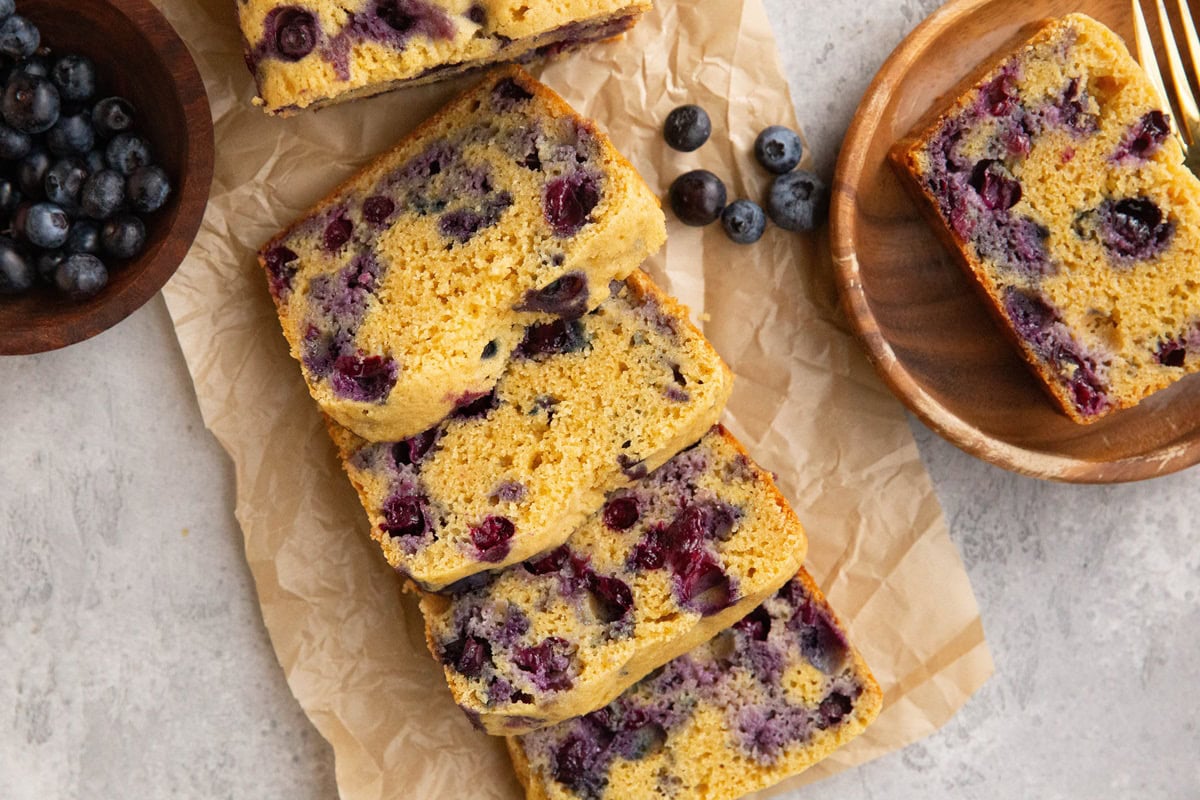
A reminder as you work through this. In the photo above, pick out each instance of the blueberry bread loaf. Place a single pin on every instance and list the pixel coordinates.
(585, 407)
(758, 703)
(312, 53)
(1058, 182)
(403, 293)
(664, 566)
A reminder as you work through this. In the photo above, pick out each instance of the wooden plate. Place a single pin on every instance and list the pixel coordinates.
(923, 326)
(139, 56)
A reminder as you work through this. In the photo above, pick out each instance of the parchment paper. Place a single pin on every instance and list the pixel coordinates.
(806, 403)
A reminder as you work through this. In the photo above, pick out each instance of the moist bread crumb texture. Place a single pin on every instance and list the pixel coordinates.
(403, 293)
(312, 53)
(665, 565)
(759, 702)
(586, 406)
(1058, 181)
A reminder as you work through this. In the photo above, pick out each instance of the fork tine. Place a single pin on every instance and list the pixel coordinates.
(1145, 51)
(1189, 33)
(1187, 101)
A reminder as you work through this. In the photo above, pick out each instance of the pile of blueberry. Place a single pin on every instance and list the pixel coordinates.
(74, 176)
(796, 201)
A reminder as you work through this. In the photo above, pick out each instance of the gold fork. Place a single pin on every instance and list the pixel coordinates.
(1187, 127)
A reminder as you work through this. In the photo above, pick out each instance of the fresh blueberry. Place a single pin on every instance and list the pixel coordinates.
(10, 197)
(7, 8)
(71, 136)
(19, 38)
(75, 77)
(744, 221)
(95, 161)
(687, 128)
(84, 237)
(697, 197)
(47, 265)
(81, 275)
(126, 152)
(102, 194)
(123, 236)
(46, 226)
(17, 274)
(64, 180)
(14, 145)
(111, 116)
(797, 201)
(30, 103)
(31, 173)
(778, 149)
(148, 189)
(36, 64)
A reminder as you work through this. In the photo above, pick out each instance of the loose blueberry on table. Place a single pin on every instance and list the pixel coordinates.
(697, 197)
(75, 177)
(687, 128)
(778, 149)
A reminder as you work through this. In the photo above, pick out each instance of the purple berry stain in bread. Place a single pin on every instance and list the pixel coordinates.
(492, 538)
(404, 517)
(410, 451)
(474, 404)
(996, 186)
(568, 201)
(1134, 229)
(565, 297)
(552, 338)
(621, 513)
(507, 94)
(468, 655)
(337, 232)
(1145, 137)
(365, 379)
(548, 663)
(377, 208)
(613, 597)
(281, 269)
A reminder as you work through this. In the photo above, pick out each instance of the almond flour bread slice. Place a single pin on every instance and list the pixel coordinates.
(760, 702)
(585, 407)
(1056, 181)
(313, 53)
(664, 566)
(403, 293)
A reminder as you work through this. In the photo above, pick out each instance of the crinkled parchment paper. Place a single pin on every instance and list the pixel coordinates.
(806, 403)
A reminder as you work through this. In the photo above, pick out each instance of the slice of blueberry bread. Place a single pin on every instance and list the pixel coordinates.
(313, 53)
(664, 566)
(403, 294)
(760, 702)
(585, 407)
(1056, 179)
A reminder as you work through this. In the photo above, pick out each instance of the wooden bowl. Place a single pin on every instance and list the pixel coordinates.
(924, 327)
(138, 56)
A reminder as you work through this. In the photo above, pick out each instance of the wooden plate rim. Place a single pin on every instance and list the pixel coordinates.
(850, 167)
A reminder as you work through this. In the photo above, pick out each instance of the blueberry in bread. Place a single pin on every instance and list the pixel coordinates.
(1056, 180)
(403, 294)
(665, 565)
(760, 702)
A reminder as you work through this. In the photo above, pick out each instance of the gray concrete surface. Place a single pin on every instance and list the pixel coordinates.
(134, 663)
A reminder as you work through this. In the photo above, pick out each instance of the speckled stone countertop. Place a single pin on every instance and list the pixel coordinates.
(134, 663)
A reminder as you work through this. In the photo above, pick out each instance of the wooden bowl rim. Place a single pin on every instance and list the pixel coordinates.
(851, 165)
(193, 194)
